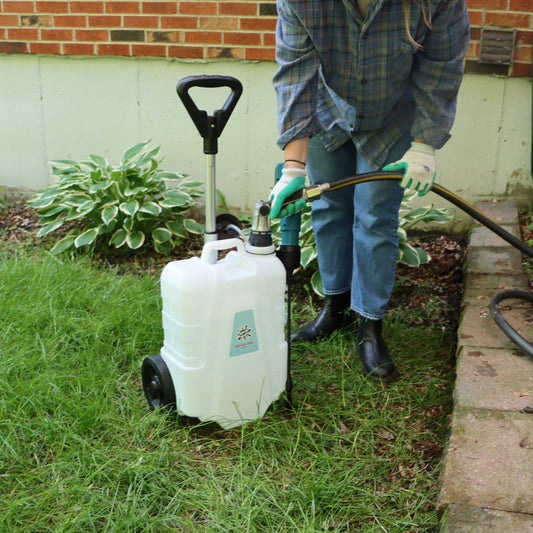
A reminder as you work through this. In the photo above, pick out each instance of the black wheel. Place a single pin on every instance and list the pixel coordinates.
(224, 223)
(157, 383)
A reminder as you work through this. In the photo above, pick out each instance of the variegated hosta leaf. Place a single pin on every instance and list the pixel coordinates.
(135, 239)
(133, 196)
(86, 238)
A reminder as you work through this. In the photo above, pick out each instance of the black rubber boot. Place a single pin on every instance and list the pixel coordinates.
(335, 314)
(371, 348)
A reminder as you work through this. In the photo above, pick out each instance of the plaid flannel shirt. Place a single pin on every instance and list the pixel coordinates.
(343, 76)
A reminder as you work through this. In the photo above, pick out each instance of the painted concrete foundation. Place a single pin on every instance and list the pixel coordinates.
(67, 107)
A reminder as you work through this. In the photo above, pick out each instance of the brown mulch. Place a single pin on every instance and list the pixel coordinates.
(432, 293)
(18, 222)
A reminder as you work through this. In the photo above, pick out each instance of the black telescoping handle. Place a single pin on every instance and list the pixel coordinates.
(210, 127)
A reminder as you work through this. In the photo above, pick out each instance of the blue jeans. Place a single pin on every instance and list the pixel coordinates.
(356, 227)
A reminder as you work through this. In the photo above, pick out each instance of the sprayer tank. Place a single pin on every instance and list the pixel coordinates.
(224, 339)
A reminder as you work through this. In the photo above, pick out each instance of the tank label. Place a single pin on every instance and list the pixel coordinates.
(244, 337)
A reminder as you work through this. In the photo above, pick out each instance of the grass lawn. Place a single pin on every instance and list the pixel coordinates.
(80, 451)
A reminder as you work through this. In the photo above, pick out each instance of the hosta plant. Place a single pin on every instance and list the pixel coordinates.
(127, 205)
(407, 253)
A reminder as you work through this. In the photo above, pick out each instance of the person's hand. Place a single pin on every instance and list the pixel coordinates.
(420, 168)
(291, 181)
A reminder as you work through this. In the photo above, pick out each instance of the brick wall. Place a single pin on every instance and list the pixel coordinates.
(205, 29)
(188, 29)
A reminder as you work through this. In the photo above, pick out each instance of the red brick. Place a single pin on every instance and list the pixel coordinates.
(104, 21)
(86, 7)
(224, 53)
(262, 24)
(186, 52)
(45, 48)
(164, 36)
(122, 7)
(522, 69)
(70, 21)
(268, 9)
(521, 5)
(238, 8)
(18, 6)
(203, 37)
(260, 54)
(476, 18)
(113, 49)
(508, 20)
(243, 39)
(269, 39)
(140, 21)
(218, 23)
(13, 47)
(522, 53)
(9, 20)
(524, 37)
(36, 20)
(78, 49)
(473, 50)
(56, 35)
(160, 8)
(91, 35)
(3, 32)
(181, 23)
(486, 4)
(127, 36)
(475, 34)
(198, 8)
(23, 34)
(149, 50)
(51, 7)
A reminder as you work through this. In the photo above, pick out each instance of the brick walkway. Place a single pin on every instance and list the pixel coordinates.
(487, 478)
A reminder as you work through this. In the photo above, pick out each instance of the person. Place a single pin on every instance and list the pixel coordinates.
(363, 85)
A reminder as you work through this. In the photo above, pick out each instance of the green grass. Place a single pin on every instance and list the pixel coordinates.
(80, 451)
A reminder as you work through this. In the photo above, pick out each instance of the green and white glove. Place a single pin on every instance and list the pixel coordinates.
(291, 181)
(420, 166)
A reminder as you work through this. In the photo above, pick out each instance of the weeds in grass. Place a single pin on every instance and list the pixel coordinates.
(80, 451)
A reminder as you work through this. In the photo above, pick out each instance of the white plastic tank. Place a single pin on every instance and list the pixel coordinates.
(224, 333)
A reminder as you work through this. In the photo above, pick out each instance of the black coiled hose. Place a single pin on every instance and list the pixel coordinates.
(503, 324)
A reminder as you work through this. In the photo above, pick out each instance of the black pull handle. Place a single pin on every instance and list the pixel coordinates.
(210, 127)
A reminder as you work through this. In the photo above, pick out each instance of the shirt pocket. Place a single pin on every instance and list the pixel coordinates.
(402, 60)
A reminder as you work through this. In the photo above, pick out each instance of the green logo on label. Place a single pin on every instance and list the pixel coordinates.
(244, 337)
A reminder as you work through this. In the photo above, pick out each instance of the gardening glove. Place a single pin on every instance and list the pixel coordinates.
(291, 181)
(420, 168)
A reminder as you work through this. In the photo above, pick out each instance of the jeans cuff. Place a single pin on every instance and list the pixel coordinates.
(370, 316)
